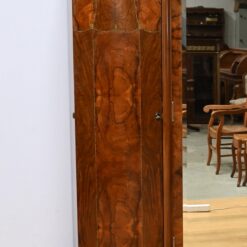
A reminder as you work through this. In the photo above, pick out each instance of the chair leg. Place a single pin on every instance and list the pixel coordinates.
(209, 150)
(245, 163)
(234, 161)
(218, 154)
(239, 165)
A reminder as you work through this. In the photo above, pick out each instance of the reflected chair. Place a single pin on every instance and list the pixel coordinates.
(218, 130)
(239, 150)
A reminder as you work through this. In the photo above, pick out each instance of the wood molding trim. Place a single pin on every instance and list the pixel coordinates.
(106, 206)
(167, 98)
(172, 106)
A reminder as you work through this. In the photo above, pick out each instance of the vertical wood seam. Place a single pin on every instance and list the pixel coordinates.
(166, 79)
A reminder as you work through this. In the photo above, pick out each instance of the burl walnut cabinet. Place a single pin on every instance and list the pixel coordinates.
(127, 67)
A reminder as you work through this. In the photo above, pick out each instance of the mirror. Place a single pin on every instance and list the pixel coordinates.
(214, 145)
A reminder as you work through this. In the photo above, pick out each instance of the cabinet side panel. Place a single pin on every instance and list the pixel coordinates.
(118, 155)
(85, 140)
(151, 87)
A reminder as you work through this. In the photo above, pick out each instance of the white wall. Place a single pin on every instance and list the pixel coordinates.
(230, 16)
(36, 168)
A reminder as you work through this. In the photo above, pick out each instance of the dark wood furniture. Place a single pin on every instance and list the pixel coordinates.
(217, 129)
(201, 84)
(129, 171)
(228, 56)
(205, 29)
(205, 38)
(238, 147)
(233, 66)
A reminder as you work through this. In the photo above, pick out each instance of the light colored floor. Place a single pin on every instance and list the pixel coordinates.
(225, 226)
(200, 181)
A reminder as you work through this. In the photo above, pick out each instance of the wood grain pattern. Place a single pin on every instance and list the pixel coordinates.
(122, 192)
(152, 171)
(85, 141)
(118, 139)
(149, 14)
(176, 77)
(83, 14)
(172, 104)
(116, 14)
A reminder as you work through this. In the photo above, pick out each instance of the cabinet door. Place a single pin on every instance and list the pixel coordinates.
(119, 128)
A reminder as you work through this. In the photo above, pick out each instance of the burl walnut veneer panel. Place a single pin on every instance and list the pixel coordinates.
(177, 192)
(85, 140)
(83, 14)
(149, 14)
(118, 153)
(152, 186)
(116, 14)
(118, 90)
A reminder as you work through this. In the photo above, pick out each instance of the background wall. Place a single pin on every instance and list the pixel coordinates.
(36, 167)
(230, 16)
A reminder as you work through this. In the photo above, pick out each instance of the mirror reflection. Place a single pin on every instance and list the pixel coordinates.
(215, 122)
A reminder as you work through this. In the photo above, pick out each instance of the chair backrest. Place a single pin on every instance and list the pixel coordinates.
(227, 57)
(239, 66)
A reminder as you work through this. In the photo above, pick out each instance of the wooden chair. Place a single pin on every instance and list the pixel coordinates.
(221, 131)
(239, 150)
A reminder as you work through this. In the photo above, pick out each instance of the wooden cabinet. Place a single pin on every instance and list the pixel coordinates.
(123, 148)
(205, 29)
(202, 84)
(205, 39)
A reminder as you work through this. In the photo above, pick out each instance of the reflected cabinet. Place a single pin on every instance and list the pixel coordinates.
(201, 85)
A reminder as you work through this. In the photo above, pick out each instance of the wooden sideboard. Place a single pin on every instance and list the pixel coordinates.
(205, 40)
(202, 85)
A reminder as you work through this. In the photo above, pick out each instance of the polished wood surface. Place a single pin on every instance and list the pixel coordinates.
(118, 153)
(118, 47)
(177, 187)
(112, 14)
(152, 143)
(149, 14)
(226, 227)
(85, 138)
(172, 107)
(83, 14)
